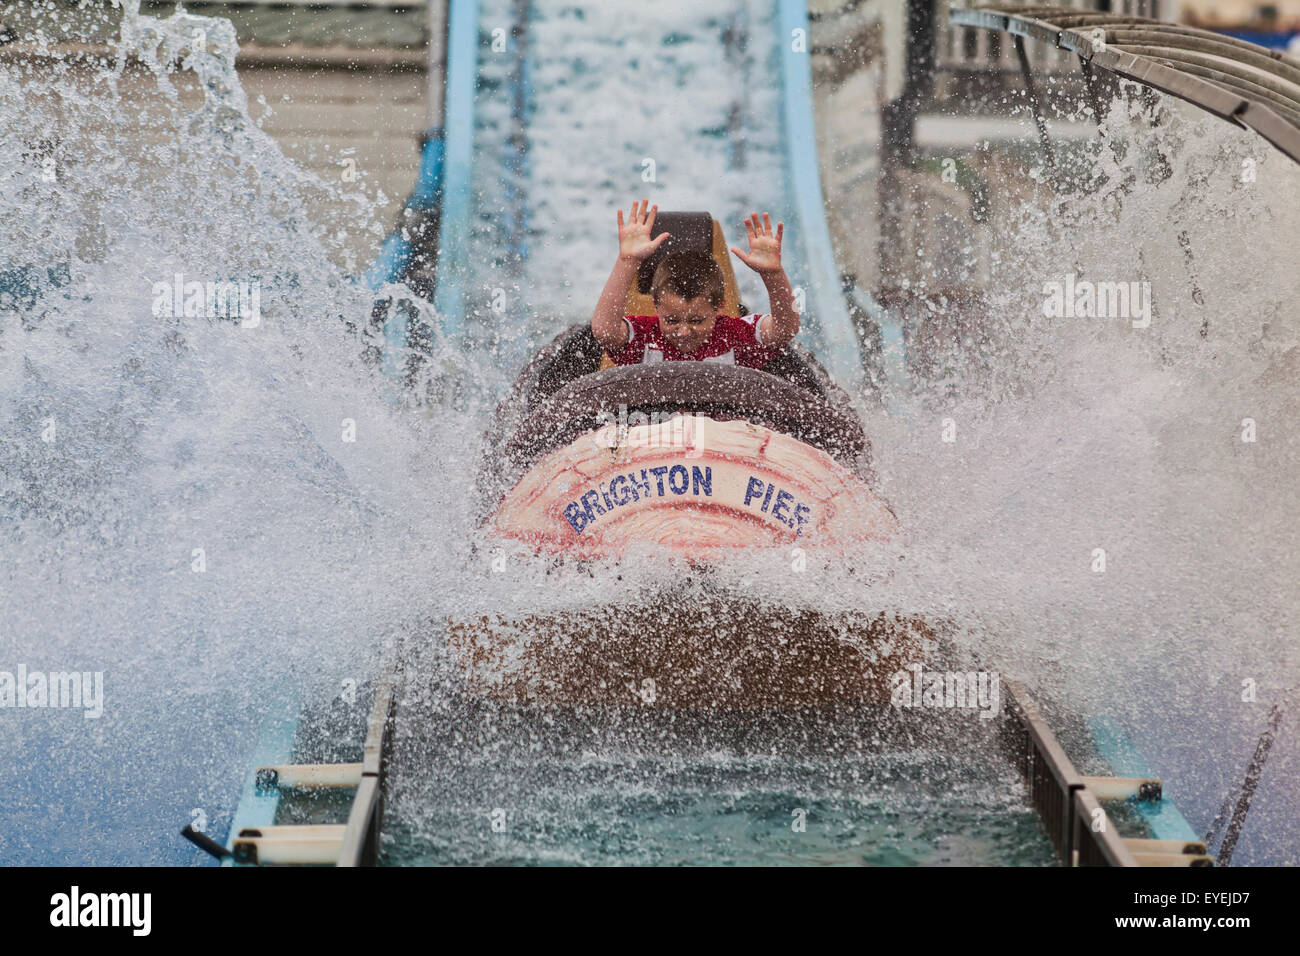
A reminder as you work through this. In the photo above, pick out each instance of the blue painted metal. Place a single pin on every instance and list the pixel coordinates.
(1162, 816)
(395, 252)
(834, 340)
(428, 187)
(1273, 39)
(257, 807)
(458, 123)
(893, 350)
(892, 345)
(516, 159)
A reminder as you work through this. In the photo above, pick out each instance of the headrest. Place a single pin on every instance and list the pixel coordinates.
(689, 232)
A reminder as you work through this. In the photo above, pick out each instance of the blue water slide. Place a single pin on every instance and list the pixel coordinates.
(258, 805)
(443, 184)
(445, 181)
(833, 338)
(1162, 817)
(395, 251)
(458, 124)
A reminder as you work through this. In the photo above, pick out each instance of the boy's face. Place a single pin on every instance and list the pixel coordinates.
(686, 323)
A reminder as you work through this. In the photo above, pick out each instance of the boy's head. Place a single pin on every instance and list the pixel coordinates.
(687, 292)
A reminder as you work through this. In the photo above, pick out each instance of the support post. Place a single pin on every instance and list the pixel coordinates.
(1034, 101)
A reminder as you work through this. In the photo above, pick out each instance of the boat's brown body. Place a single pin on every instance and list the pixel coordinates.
(731, 655)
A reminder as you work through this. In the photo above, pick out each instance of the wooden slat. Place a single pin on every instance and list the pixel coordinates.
(376, 725)
(307, 831)
(310, 776)
(1173, 859)
(1101, 846)
(331, 86)
(1142, 845)
(367, 118)
(285, 849)
(353, 843)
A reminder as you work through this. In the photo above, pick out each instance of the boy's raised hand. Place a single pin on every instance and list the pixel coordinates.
(634, 240)
(764, 245)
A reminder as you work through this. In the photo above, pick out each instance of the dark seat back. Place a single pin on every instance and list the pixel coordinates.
(688, 232)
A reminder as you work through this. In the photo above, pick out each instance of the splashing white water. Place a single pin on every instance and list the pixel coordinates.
(1077, 434)
(184, 508)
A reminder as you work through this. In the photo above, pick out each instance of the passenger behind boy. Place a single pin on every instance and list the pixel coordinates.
(687, 291)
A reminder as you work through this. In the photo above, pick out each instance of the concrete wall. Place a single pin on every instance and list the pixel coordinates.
(325, 116)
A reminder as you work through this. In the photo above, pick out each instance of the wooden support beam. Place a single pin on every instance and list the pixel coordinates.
(1141, 845)
(283, 845)
(1173, 859)
(309, 776)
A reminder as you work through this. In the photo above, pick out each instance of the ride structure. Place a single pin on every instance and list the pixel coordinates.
(1250, 86)
(558, 476)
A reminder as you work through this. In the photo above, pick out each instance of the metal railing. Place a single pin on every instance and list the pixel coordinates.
(361, 836)
(1246, 85)
(1056, 790)
(1070, 803)
(960, 49)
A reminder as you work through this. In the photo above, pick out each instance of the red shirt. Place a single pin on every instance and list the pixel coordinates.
(734, 342)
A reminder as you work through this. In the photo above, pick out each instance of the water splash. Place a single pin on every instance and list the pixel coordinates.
(184, 442)
(210, 507)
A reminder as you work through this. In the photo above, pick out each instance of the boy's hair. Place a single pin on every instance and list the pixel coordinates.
(691, 275)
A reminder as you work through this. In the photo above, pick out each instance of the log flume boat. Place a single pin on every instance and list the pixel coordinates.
(699, 463)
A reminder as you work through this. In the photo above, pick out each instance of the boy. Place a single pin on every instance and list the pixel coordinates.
(687, 291)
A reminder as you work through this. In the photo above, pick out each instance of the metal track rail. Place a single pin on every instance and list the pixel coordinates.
(360, 845)
(257, 839)
(1070, 804)
(1247, 85)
